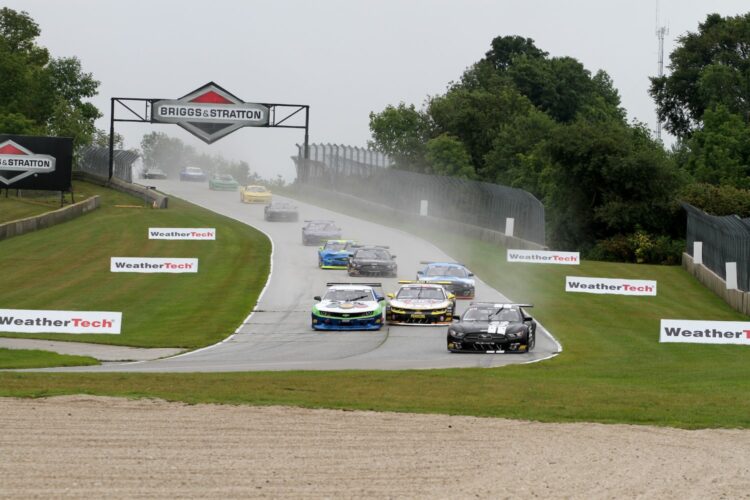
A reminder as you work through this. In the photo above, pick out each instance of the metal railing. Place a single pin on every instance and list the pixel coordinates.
(725, 239)
(482, 204)
(95, 160)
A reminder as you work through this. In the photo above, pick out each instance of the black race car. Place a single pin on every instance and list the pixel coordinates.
(371, 261)
(493, 328)
(315, 232)
(281, 211)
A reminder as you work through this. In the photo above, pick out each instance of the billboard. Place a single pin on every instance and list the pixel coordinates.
(31, 162)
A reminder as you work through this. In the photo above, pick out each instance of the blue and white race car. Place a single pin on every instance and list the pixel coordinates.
(459, 280)
(349, 306)
(334, 254)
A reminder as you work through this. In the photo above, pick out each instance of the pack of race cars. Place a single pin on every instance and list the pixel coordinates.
(429, 300)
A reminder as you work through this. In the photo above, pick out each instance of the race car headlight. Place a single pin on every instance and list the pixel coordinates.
(455, 333)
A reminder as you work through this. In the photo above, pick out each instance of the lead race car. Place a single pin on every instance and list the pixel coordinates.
(493, 328)
(349, 306)
(457, 278)
(334, 254)
(420, 303)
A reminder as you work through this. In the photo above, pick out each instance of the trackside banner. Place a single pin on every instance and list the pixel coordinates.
(152, 265)
(181, 233)
(37, 321)
(705, 332)
(544, 257)
(610, 286)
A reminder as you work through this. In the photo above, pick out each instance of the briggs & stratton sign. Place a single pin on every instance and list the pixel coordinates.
(210, 112)
(29, 162)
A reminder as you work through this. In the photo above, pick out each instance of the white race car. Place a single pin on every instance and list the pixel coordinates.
(420, 303)
(349, 306)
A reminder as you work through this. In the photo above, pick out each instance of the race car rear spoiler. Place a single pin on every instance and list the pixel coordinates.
(499, 304)
(378, 285)
(440, 262)
(424, 282)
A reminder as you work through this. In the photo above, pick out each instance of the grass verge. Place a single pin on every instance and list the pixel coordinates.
(16, 205)
(18, 359)
(66, 267)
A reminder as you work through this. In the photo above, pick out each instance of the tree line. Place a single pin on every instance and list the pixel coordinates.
(545, 124)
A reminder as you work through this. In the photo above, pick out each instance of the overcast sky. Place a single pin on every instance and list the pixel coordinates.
(345, 58)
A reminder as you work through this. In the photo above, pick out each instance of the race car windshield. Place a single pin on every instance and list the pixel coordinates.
(347, 295)
(255, 189)
(335, 245)
(374, 254)
(476, 314)
(506, 315)
(458, 272)
(225, 178)
(322, 227)
(421, 293)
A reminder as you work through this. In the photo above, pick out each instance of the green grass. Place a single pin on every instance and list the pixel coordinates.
(66, 267)
(22, 358)
(613, 369)
(29, 204)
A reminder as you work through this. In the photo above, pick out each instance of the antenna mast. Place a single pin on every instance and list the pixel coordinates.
(660, 32)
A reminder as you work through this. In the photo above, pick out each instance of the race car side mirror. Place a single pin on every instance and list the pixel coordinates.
(471, 274)
(393, 256)
(317, 297)
(379, 298)
(391, 295)
(456, 317)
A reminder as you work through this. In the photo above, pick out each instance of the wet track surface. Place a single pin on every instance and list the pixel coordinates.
(278, 336)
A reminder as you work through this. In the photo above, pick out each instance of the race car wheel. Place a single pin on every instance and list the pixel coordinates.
(530, 341)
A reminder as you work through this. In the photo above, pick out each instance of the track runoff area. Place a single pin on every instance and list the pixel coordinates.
(278, 335)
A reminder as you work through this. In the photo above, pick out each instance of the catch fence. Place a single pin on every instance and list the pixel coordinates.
(724, 238)
(366, 175)
(95, 160)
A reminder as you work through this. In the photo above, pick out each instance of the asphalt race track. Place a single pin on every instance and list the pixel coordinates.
(278, 336)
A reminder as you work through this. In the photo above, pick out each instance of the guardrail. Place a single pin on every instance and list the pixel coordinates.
(49, 219)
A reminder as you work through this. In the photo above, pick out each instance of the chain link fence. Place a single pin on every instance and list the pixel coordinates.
(95, 160)
(365, 174)
(725, 239)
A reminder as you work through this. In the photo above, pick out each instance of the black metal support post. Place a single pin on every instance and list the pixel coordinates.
(111, 138)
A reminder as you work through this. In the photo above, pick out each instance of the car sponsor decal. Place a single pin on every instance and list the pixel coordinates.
(704, 332)
(610, 286)
(544, 257)
(40, 321)
(497, 327)
(152, 265)
(181, 233)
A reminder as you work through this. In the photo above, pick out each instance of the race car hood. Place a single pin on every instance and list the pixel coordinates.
(419, 303)
(501, 327)
(315, 232)
(347, 307)
(334, 253)
(372, 261)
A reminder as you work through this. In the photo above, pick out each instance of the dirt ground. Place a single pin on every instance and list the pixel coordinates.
(93, 447)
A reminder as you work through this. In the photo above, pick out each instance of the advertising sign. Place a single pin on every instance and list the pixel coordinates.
(544, 257)
(209, 112)
(152, 265)
(704, 332)
(610, 286)
(38, 321)
(30, 162)
(181, 233)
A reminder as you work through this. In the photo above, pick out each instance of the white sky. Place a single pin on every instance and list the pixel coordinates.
(345, 58)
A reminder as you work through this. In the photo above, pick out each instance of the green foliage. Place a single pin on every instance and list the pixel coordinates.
(448, 156)
(639, 248)
(717, 200)
(39, 95)
(720, 149)
(708, 68)
(15, 359)
(401, 132)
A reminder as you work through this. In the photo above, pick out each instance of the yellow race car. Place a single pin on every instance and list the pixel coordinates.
(255, 194)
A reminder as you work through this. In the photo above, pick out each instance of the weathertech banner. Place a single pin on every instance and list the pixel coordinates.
(544, 257)
(152, 265)
(610, 286)
(37, 321)
(41, 163)
(181, 233)
(705, 332)
(210, 112)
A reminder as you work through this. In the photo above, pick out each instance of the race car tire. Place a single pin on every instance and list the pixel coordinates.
(530, 341)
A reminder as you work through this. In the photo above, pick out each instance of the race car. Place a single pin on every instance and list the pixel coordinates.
(223, 182)
(493, 328)
(349, 306)
(255, 194)
(192, 174)
(315, 232)
(420, 303)
(334, 254)
(372, 261)
(460, 281)
(280, 211)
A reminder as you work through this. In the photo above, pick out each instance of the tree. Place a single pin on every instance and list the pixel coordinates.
(448, 156)
(402, 133)
(708, 68)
